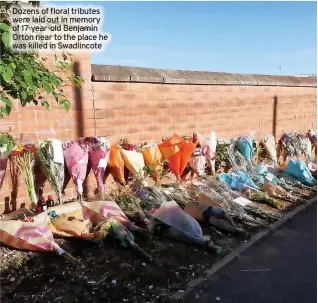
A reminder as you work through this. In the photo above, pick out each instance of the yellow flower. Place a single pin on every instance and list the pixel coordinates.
(19, 147)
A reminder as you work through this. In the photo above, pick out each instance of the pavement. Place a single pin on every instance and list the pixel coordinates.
(282, 267)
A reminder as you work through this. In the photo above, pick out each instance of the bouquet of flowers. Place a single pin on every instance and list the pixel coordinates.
(312, 134)
(98, 154)
(270, 147)
(134, 161)
(50, 154)
(116, 164)
(76, 159)
(126, 145)
(209, 150)
(23, 157)
(197, 161)
(118, 232)
(178, 153)
(7, 143)
(245, 146)
(152, 157)
(258, 196)
(30, 236)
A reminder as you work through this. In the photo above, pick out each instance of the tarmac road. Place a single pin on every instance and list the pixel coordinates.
(279, 268)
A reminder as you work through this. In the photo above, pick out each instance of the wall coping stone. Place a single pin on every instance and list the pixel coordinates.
(116, 73)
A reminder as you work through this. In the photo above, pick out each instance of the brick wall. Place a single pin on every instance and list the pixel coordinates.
(147, 104)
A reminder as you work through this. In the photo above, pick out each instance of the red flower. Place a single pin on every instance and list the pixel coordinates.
(30, 147)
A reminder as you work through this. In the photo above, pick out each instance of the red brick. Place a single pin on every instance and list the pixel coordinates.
(152, 95)
(213, 102)
(113, 122)
(162, 88)
(172, 96)
(198, 88)
(179, 119)
(139, 104)
(151, 128)
(12, 127)
(22, 115)
(182, 103)
(51, 115)
(117, 86)
(162, 119)
(130, 112)
(141, 87)
(107, 113)
(106, 132)
(143, 120)
(118, 104)
(88, 132)
(65, 124)
(130, 96)
(146, 137)
(162, 103)
(130, 129)
(26, 137)
(100, 104)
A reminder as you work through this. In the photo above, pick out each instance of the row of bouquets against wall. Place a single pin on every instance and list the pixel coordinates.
(175, 152)
(98, 153)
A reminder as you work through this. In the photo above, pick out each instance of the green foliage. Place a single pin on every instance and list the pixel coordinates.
(222, 160)
(23, 76)
(157, 170)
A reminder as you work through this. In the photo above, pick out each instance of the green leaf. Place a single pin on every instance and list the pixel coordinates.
(55, 81)
(7, 101)
(7, 110)
(45, 104)
(4, 27)
(28, 79)
(66, 103)
(24, 94)
(7, 74)
(47, 87)
(6, 38)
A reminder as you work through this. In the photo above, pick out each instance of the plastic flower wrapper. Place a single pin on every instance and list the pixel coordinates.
(312, 134)
(269, 144)
(238, 180)
(299, 170)
(100, 211)
(211, 214)
(178, 153)
(116, 164)
(209, 149)
(303, 145)
(174, 223)
(7, 143)
(171, 214)
(245, 146)
(197, 162)
(76, 159)
(262, 172)
(23, 156)
(152, 157)
(30, 236)
(134, 161)
(50, 154)
(98, 155)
